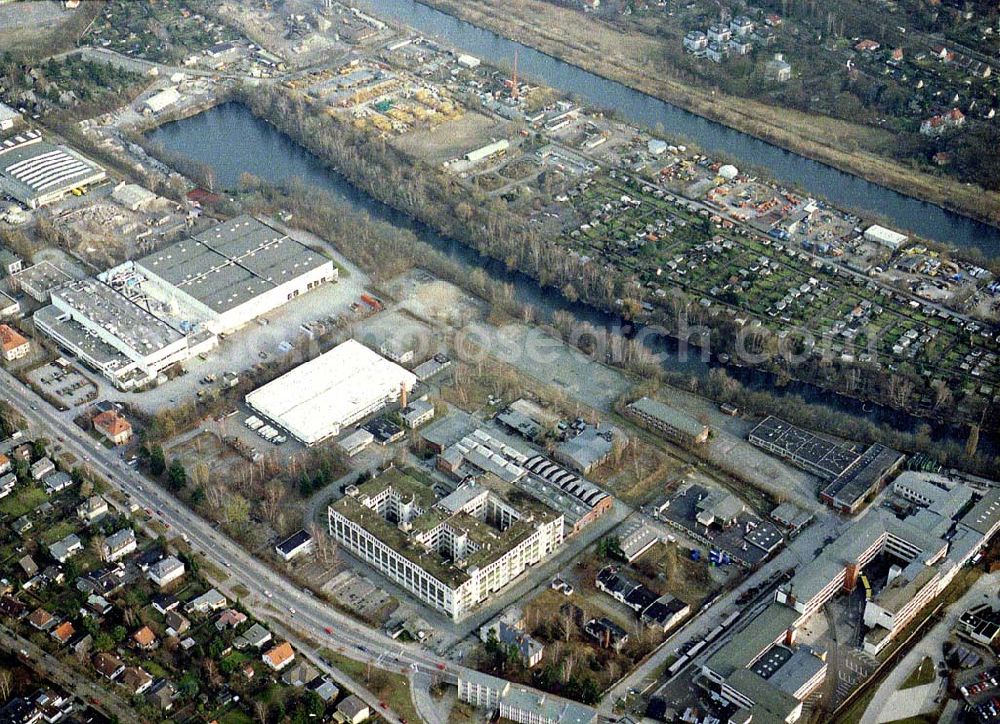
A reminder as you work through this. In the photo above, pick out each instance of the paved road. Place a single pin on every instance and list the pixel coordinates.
(298, 615)
(984, 590)
(800, 550)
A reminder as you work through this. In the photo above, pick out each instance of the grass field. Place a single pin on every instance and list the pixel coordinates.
(923, 674)
(22, 501)
(393, 689)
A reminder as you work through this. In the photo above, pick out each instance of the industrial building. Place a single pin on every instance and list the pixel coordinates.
(8, 117)
(162, 100)
(886, 237)
(517, 704)
(36, 172)
(763, 672)
(930, 547)
(114, 335)
(38, 280)
(316, 400)
(139, 318)
(452, 553)
(230, 274)
(852, 476)
(580, 501)
(674, 425)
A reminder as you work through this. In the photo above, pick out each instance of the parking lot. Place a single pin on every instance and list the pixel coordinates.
(65, 384)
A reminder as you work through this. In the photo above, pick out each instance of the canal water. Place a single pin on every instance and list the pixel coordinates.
(840, 189)
(231, 140)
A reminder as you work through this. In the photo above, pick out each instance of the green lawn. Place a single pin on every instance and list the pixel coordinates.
(235, 716)
(393, 688)
(58, 531)
(923, 674)
(22, 501)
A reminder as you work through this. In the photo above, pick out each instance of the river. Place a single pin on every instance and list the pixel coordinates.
(231, 140)
(839, 188)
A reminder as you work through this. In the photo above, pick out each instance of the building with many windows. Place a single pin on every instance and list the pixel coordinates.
(451, 553)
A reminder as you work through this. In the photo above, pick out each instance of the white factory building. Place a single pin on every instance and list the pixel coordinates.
(318, 399)
(141, 317)
(233, 273)
(36, 172)
(114, 335)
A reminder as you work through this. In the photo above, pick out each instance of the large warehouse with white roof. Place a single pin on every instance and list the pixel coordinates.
(36, 172)
(316, 400)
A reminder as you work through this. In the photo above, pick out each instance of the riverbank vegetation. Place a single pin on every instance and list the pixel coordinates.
(646, 62)
(438, 199)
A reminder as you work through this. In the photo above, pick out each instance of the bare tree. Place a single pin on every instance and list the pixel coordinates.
(6, 681)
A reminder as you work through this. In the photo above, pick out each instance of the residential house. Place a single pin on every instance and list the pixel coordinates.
(14, 345)
(10, 263)
(165, 571)
(41, 468)
(718, 33)
(118, 545)
(102, 581)
(136, 680)
(22, 525)
(162, 695)
(115, 428)
(7, 484)
(58, 482)
(41, 619)
(230, 618)
(207, 602)
(324, 688)
(778, 68)
(607, 633)
(63, 632)
(255, 636)
(299, 674)
(936, 125)
(66, 548)
(163, 602)
(145, 639)
(354, 709)
(12, 608)
(97, 605)
(92, 509)
(280, 656)
(176, 622)
(28, 565)
(108, 665)
(508, 630)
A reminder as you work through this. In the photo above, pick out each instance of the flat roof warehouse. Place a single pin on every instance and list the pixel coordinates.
(224, 272)
(36, 172)
(316, 400)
